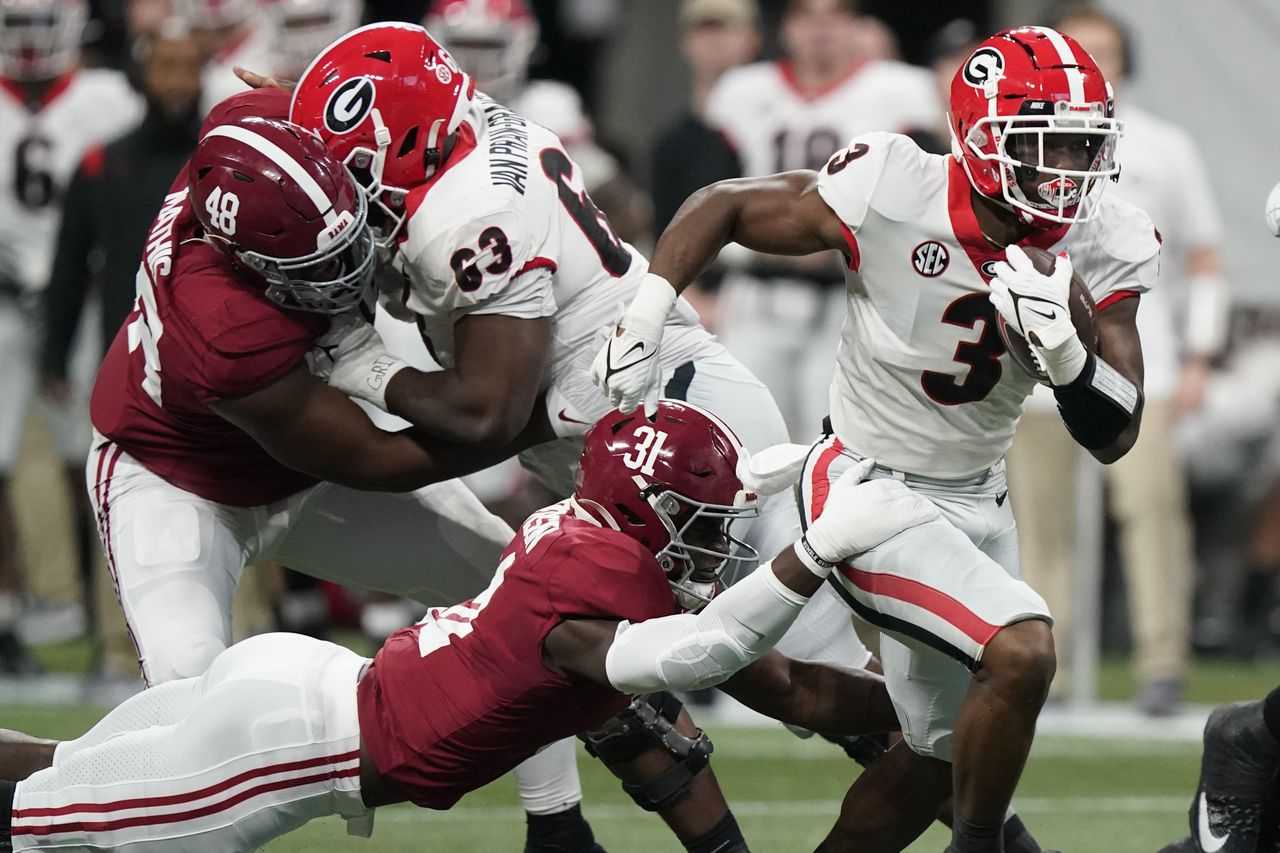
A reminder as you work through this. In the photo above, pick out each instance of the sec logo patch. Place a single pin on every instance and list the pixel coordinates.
(930, 258)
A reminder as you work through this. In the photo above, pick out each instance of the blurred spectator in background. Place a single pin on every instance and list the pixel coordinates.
(302, 28)
(715, 36)
(230, 33)
(948, 49)
(51, 112)
(782, 317)
(1162, 173)
(145, 17)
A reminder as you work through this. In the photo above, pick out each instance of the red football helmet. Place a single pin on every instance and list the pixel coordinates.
(269, 194)
(384, 98)
(492, 39)
(670, 482)
(1033, 123)
(40, 39)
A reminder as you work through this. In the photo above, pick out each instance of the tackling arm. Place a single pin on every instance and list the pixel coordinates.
(318, 430)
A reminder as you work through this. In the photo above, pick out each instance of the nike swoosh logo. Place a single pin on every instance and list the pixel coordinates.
(633, 346)
(1209, 842)
(610, 370)
(1049, 316)
(568, 419)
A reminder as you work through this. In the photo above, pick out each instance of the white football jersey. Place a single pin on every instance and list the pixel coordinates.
(775, 128)
(508, 228)
(923, 382)
(40, 148)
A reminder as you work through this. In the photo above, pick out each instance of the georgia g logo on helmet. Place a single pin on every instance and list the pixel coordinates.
(985, 66)
(349, 104)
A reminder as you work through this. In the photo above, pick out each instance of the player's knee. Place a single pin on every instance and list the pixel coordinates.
(1022, 655)
(186, 659)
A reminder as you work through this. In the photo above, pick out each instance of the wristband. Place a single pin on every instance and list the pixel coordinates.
(652, 303)
(1098, 405)
(818, 565)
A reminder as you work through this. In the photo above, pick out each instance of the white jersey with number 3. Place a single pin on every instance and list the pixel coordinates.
(508, 228)
(40, 147)
(923, 383)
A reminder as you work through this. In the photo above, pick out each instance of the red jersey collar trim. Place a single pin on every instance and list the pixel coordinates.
(788, 73)
(55, 89)
(462, 148)
(964, 223)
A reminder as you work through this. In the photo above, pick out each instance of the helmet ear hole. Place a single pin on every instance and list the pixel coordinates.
(410, 142)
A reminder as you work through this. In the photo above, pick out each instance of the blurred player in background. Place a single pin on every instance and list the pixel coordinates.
(51, 113)
(303, 28)
(231, 33)
(1163, 174)
(932, 245)
(782, 316)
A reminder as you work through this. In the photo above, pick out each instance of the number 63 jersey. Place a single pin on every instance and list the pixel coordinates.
(923, 382)
(506, 227)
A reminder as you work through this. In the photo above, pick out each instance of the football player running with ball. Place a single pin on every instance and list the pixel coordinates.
(584, 610)
(924, 388)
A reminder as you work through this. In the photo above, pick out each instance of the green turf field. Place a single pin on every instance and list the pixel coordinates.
(1077, 795)
(1080, 796)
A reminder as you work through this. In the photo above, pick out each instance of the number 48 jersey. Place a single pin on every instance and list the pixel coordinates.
(40, 146)
(923, 382)
(507, 228)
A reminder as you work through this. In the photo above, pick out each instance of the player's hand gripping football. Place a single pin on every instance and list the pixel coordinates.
(1036, 305)
(352, 358)
(626, 368)
(860, 514)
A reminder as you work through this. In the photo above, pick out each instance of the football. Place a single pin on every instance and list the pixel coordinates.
(1082, 309)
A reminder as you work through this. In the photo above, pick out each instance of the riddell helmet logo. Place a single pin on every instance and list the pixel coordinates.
(349, 104)
(985, 66)
(930, 258)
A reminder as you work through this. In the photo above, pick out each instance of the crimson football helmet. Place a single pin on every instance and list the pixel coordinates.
(1033, 122)
(384, 98)
(493, 39)
(40, 39)
(268, 194)
(670, 482)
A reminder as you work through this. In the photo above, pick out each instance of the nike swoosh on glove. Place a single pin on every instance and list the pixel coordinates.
(1036, 305)
(626, 368)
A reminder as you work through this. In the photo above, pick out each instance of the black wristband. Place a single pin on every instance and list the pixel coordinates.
(1098, 405)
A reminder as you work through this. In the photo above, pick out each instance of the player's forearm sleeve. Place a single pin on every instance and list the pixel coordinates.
(695, 651)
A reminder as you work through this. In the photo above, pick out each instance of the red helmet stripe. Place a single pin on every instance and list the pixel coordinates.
(1067, 56)
(291, 167)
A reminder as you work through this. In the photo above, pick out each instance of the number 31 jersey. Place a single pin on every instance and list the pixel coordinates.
(40, 147)
(923, 382)
(507, 228)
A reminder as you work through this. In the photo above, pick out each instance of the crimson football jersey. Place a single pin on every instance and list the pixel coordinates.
(459, 699)
(199, 333)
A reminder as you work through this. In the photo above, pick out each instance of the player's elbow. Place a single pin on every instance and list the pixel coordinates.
(496, 425)
(1123, 443)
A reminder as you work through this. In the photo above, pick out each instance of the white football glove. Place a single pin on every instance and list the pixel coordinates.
(1037, 307)
(860, 514)
(626, 368)
(352, 358)
(772, 470)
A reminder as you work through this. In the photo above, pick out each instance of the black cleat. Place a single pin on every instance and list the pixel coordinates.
(1237, 778)
(563, 832)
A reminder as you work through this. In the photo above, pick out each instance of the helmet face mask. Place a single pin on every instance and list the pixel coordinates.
(1033, 124)
(332, 280)
(40, 39)
(702, 543)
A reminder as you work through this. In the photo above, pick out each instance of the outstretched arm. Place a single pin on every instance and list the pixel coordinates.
(318, 430)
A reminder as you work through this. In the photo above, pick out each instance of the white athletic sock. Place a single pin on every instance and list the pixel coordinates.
(549, 780)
